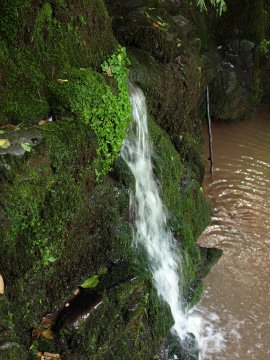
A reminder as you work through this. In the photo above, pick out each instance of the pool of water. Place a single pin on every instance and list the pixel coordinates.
(237, 289)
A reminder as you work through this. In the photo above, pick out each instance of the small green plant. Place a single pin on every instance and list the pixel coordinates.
(220, 5)
(26, 147)
(92, 100)
(156, 21)
(264, 46)
(9, 320)
(48, 259)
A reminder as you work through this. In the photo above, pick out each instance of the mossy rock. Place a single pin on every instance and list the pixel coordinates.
(172, 98)
(59, 228)
(133, 325)
(60, 35)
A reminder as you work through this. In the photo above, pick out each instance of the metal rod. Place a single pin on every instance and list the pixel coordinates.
(211, 158)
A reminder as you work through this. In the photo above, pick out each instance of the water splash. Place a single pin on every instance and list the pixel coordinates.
(152, 232)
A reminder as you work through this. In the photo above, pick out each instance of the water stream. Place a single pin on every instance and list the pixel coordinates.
(238, 287)
(152, 232)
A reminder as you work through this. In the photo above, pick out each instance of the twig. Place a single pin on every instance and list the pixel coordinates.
(211, 158)
(41, 128)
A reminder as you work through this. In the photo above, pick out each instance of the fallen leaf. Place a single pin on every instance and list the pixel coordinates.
(4, 143)
(36, 333)
(155, 25)
(8, 126)
(90, 282)
(47, 334)
(26, 147)
(62, 81)
(47, 356)
(2, 286)
(52, 259)
(45, 121)
(109, 71)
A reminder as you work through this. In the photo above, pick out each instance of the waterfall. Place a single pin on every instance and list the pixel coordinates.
(151, 228)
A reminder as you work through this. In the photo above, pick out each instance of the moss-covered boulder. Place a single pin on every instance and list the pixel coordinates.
(41, 39)
(59, 227)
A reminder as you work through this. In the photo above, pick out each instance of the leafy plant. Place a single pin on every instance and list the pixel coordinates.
(87, 95)
(90, 282)
(264, 46)
(26, 147)
(220, 5)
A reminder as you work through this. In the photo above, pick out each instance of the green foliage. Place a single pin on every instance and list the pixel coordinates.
(90, 282)
(137, 322)
(26, 147)
(220, 5)
(86, 94)
(264, 46)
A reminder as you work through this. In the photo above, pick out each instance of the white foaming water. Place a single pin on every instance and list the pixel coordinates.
(151, 231)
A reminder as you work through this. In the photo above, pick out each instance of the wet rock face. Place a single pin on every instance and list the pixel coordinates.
(18, 138)
(232, 89)
(240, 32)
(173, 34)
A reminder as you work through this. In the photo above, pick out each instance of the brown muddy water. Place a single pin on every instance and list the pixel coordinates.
(237, 289)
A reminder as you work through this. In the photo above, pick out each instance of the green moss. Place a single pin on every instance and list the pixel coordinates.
(57, 38)
(41, 199)
(172, 96)
(22, 93)
(134, 324)
(13, 354)
(44, 191)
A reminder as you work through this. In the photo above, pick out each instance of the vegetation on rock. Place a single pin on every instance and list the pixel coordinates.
(85, 94)
(41, 40)
(219, 4)
(59, 226)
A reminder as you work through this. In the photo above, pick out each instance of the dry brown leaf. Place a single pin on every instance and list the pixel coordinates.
(2, 286)
(50, 356)
(8, 127)
(155, 25)
(45, 121)
(47, 356)
(36, 333)
(41, 122)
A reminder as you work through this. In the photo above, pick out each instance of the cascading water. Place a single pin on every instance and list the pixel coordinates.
(152, 232)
